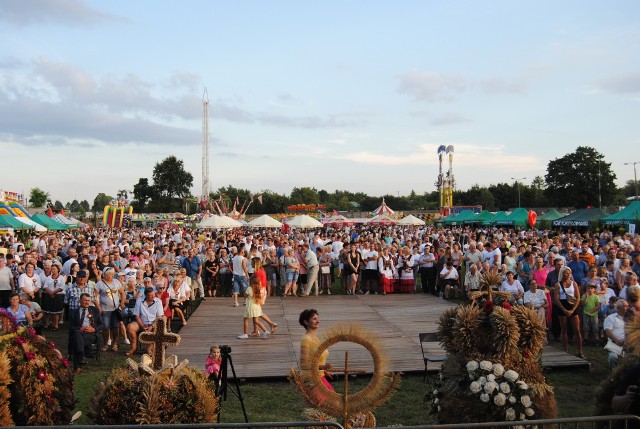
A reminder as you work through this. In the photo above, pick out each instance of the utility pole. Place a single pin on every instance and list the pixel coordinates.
(635, 178)
(518, 184)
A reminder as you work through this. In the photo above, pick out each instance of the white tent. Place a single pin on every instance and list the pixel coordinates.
(265, 221)
(215, 221)
(32, 223)
(303, 221)
(410, 220)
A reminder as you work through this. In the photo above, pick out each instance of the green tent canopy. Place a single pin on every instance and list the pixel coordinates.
(581, 217)
(551, 215)
(460, 217)
(629, 214)
(49, 223)
(9, 221)
(518, 218)
(497, 217)
(480, 218)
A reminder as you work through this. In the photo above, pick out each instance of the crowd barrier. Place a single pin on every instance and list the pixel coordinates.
(597, 422)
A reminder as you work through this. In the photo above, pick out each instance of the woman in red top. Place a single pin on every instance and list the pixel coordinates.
(261, 275)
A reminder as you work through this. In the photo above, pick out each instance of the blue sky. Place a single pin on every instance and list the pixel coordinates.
(336, 95)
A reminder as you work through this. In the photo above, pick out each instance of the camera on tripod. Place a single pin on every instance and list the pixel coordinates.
(223, 383)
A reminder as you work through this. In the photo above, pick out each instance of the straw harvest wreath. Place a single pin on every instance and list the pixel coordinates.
(382, 385)
(492, 371)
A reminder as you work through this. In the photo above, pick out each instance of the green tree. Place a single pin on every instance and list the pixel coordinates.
(537, 192)
(170, 179)
(67, 206)
(630, 189)
(100, 201)
(74, 206)
(84, 205)
(58, 205)
(142, 193)
(38, 197)
(304, 195)
(579, 178)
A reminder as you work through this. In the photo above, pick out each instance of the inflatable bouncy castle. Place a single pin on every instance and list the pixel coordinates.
(114, 213)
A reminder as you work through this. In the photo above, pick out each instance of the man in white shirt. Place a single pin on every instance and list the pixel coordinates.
(449, 279)
(146, 313)
(370, 280)
(66, 267)
(312, 270)
(614, 330)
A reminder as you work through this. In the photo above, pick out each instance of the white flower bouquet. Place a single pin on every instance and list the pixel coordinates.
(500, 389)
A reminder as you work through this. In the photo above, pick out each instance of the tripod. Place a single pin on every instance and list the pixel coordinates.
(227, 361)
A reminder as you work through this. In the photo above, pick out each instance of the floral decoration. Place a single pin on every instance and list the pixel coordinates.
(501, 390)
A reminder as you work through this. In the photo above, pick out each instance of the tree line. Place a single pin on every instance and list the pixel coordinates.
(576, 180)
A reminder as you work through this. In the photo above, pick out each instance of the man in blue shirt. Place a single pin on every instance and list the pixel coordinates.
(193, 265)
(578, 268)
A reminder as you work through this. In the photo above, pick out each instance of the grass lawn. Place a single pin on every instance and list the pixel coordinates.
(280, 401)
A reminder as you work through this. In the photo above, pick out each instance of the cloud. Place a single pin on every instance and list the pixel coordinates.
(448, 119)
(501, 86)
(23, 13)
(428, 86)
(465, 155)
(627, 84)
(435, 87)
(56, 103)
(35, 123)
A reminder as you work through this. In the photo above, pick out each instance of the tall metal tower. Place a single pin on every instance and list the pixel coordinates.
(205, 147)
(446, 182)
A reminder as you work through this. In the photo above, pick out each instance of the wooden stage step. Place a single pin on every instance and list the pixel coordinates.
(396, 318)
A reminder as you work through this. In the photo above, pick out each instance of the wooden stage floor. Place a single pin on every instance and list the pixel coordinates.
(397, 319)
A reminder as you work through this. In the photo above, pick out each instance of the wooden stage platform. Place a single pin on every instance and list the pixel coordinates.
(396, 318)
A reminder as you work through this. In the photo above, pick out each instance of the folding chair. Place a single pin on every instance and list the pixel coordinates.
(430, 353)
(92, 350)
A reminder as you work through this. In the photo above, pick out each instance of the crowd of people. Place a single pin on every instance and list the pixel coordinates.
(578, 282)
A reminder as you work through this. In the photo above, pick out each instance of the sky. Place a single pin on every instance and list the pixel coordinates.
(337, 95)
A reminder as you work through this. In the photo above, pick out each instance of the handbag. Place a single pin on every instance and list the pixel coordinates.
(118, 312)
(570, 299)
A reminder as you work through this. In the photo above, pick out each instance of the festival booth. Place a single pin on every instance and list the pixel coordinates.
(581, 218)
(8, 221)
(51, 224)
(303, 222)
(630, 214)
(411, 220)
(215, 221)
(517, 218)
(482, 218)
(338, 221)
(460, 218)
(71, 223)
(383, 209)
(265, 221)
(382, 220)
(497, 217)
(32, 223)
(545, 221)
